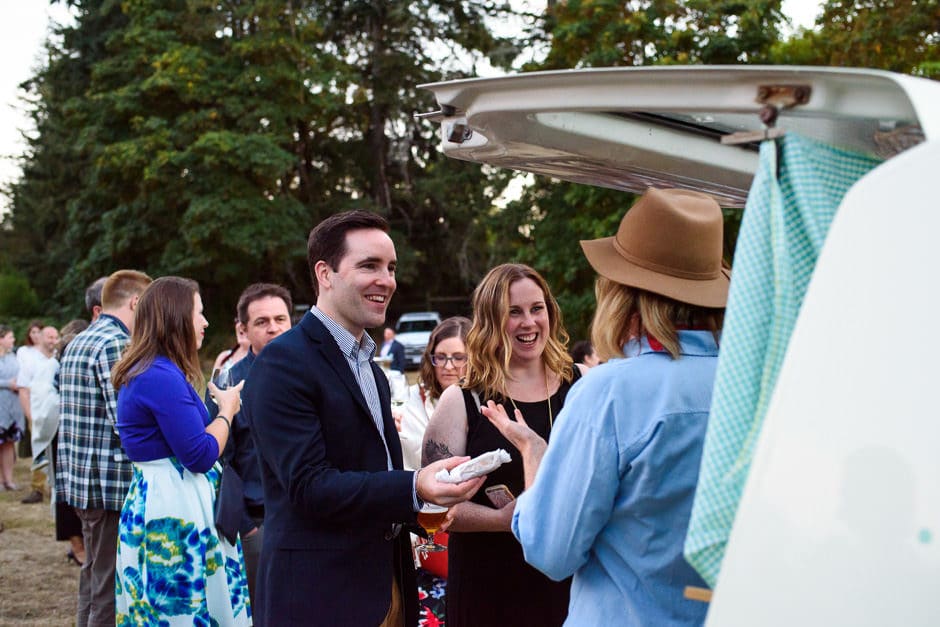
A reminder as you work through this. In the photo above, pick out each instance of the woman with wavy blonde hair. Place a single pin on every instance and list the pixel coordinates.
(517, 354)
(609, 498)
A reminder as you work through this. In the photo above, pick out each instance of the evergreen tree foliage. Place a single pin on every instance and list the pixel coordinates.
(206, 138)
(897, 35)
(33, 237)
(189, 123)
(437, 206)
(17, 297)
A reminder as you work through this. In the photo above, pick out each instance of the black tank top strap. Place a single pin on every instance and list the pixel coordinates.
(576, 374)
(472, 401)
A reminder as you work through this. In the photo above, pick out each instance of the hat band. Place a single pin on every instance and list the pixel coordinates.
(667, 270)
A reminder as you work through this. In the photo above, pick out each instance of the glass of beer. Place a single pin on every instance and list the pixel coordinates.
(431, 517)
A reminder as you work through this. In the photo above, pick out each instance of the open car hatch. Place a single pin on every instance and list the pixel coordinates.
(632, 128)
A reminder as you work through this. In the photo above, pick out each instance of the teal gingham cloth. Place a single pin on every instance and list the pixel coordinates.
(782, 232)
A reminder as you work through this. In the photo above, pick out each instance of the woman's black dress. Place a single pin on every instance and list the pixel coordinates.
(67, 522)
(489, 582)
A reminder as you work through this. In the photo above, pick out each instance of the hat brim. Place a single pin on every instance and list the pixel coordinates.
(608, 263)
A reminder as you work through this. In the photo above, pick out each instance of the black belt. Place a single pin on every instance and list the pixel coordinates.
(255, 511)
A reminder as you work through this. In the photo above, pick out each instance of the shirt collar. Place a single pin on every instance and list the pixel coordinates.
(692, 343)
(116, 320)
(344, 339)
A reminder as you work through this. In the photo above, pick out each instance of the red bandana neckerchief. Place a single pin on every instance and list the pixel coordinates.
(658, 347)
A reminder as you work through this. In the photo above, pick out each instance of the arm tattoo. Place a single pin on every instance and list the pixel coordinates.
(434, 451)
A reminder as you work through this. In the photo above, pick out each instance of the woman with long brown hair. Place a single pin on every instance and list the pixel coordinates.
(517, 354)
(171, 562)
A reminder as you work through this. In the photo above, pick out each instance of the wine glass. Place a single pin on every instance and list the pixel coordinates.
(431, 517)
(222, 377)
(399, 388)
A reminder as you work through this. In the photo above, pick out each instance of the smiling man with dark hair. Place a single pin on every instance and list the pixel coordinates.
(335, 493)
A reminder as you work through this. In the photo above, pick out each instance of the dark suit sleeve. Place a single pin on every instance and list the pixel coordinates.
(320, 473)
(212, 408)
(398, 356)
(231, 515)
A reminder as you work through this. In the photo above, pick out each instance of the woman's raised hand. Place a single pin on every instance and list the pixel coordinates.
(229, 400)
(530, 444)
(517, 432)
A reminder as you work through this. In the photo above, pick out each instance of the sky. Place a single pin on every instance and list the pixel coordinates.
(25, 26)
(23, 30)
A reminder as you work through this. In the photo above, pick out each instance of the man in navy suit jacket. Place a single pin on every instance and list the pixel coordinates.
(335, 493)
(394, 349)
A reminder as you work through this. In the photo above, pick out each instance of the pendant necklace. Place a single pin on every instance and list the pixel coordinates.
(548, 400)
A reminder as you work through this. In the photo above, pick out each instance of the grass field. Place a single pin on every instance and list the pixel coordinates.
(38, 586)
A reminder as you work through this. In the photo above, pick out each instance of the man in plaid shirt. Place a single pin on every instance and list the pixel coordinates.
(93, 473)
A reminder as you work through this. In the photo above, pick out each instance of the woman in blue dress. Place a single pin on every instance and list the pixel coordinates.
(173, 568)
(12, 420)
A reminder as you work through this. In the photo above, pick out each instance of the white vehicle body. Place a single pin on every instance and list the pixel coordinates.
(839, 523)
(413, 330)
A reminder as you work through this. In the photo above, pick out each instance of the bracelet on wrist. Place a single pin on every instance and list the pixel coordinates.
(227, 422)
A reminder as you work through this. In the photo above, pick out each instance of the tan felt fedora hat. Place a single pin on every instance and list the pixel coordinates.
(669, 243)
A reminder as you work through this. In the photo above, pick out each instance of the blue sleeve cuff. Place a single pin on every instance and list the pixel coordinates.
(416, 502)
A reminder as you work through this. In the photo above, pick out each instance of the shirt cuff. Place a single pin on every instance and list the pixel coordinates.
(417, 503)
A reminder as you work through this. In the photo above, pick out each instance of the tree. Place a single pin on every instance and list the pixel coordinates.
(898, 35)
(607, 33)
(189, 123)
(17, 297)
(437, 206)
(552, 216)
(213, 135)
(53, 168)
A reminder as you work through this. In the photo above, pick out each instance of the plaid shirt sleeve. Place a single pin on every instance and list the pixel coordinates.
(94, 472)
(107, 358)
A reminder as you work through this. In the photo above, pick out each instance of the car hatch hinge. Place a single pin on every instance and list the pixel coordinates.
(454, 127)
(774, 99)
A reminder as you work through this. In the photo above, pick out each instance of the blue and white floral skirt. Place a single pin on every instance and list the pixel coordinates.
(173, 568)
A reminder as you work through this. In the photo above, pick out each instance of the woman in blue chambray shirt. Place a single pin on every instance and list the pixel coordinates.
(612, 497)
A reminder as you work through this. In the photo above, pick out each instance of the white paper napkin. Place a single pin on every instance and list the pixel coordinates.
(476, 467)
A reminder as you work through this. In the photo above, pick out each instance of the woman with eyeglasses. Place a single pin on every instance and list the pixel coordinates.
(517, 356)
(443, 364)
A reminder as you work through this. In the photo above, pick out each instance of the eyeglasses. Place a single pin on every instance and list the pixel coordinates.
(441, 360)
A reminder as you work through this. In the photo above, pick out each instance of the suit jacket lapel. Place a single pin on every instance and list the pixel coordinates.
(332, 355)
